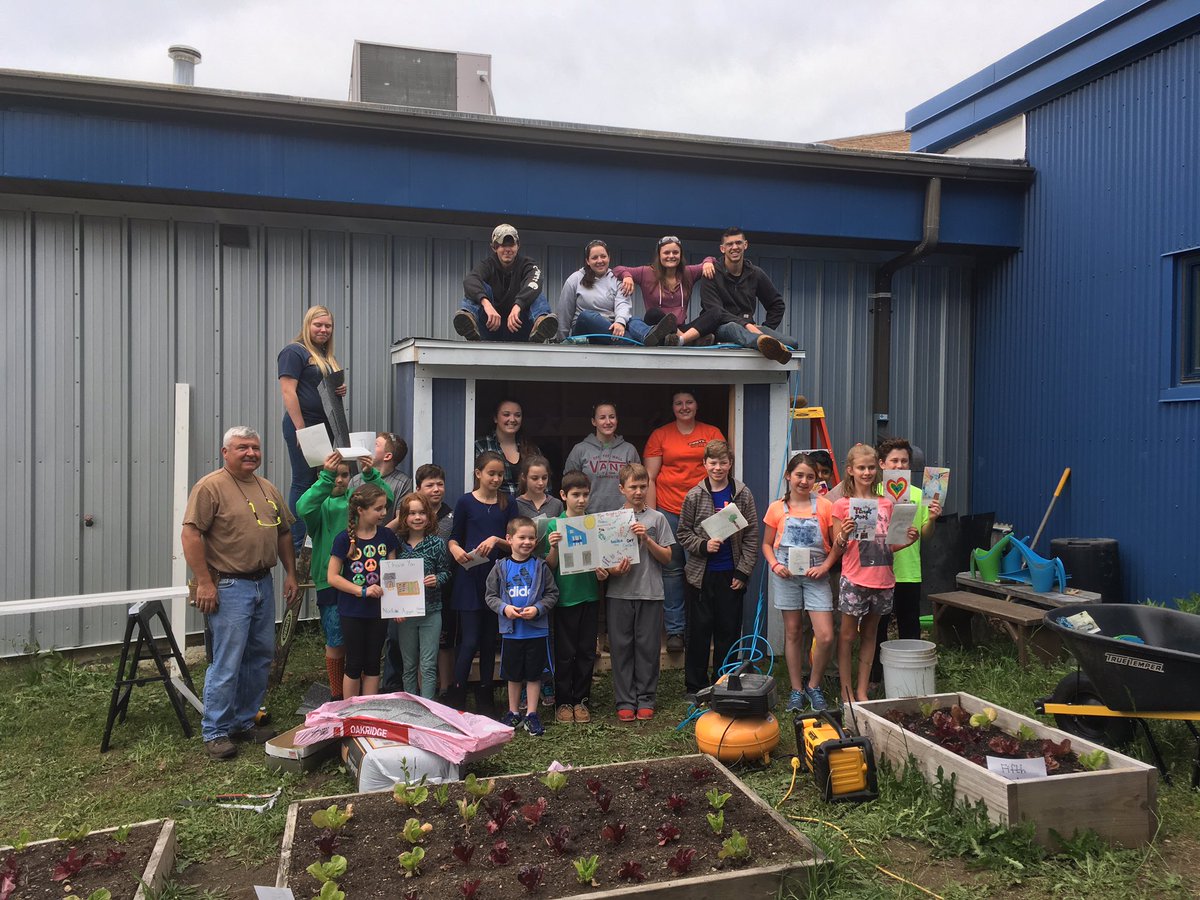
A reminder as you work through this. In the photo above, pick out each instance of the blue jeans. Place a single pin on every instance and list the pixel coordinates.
(733, 333)
(304, 476)
(419, 645)
(540, 307)
(243, 645)
(588, 321)
(674, 603)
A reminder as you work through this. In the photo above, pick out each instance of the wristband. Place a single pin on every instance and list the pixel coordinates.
(364, 592)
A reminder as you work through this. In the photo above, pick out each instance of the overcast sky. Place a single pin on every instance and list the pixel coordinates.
(780, 70)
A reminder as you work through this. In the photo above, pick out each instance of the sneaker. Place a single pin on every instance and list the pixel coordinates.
(645, 713)
(626, 715)
(671, 340)
(466, 325)
(220, 748)
(796, 702)
(565, 715)
(706, 340)
(675, 643)
(815, 699)
(533, 725)
(582, 715)
(662, 328)
(545, 328)
(548, 693)
(773, 349)
(512, 719)
(258, 734)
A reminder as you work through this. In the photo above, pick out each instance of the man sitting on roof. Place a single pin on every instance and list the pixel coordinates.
(504, 299)
(728, 301)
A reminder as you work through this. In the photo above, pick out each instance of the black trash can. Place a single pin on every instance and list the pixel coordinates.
(1094, 564)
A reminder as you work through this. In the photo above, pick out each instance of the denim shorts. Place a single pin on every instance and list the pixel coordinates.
(331, 624)
(855, 600)
(799, 592)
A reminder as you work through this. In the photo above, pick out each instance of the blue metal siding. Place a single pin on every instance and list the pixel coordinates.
(1069, 335)
(511, 180)
(449, 416)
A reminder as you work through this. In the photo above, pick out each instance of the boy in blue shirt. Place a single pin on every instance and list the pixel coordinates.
(521, 591)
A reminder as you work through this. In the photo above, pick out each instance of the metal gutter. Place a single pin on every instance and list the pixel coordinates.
(132, 97)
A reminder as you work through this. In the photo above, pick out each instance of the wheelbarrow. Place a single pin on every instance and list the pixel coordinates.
(1142, 665)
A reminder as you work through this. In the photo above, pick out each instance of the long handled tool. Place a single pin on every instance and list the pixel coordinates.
(1062, 482)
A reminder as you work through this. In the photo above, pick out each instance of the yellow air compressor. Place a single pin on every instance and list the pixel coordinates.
(842, 767)
(739, 725)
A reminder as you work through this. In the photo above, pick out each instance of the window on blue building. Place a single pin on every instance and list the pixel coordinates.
(1188, 295)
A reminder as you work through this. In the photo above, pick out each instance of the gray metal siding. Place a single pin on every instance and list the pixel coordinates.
(449, 417)
(149, 297)
(1070, 333)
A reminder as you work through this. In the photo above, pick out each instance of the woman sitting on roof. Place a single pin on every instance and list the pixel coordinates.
(591, 303)
(666, 283)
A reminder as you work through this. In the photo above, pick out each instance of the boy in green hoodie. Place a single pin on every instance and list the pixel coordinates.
(323, 509)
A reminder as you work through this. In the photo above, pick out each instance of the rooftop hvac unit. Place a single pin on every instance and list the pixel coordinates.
(429, 79)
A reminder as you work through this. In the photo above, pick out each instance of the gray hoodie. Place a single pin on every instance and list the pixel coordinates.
(604, 297)
(602, 464)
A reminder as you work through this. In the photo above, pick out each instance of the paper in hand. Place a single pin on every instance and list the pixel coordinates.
(314, 444)
(799, 560)
(896, 483)
(937, 484)
(865, 516)
(903, 515)
(726, 522)
(362, 443)
(403, 583)
(474, 558)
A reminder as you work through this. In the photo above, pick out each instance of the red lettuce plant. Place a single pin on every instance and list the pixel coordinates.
(631, 870)
(682, 860)
(614, 831)
(666, 833)
(531, 877)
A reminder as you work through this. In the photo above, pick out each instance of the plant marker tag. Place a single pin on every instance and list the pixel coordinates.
(1017, 769)
(896, 483)
(273, 893)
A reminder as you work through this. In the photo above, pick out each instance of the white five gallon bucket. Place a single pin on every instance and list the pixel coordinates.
(908, 668)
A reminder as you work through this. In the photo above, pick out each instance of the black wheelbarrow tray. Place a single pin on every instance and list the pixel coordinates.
(1144, 663)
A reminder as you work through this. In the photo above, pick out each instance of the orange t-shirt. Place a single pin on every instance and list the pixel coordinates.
(682, 461)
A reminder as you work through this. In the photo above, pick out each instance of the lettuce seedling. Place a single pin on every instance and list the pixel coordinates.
(716, 821)
(411, 861)
(559, 841)
(121, 835)
(500, 854)
(333, 818)
(682, 860)
(556, 781)
(70, 865)
(603, 798)
(631, 870)
(531, 877)
(677, 804)
(328, 871)
(441, 794)
(327, 841)
(700, 774)
(463, 851)
(666, 833)
(414, 831)
(410, 797)
(716, 799)
(329, 891)
(533, 812)
(73, 833)
(97, 894)
(470, 887)
(586, 868)
(477, 787)
(1097, 759)
(1026, 733)
(614, 831)
(735, 848)
(10, 874)
(1004, 745)
(500, 815)
(468, 811)
(510, 796)
(111, 859)
(594, 786)
(643, 782)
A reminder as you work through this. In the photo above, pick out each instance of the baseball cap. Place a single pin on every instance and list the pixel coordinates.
(502, 233)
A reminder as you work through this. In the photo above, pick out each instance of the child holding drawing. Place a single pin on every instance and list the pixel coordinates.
(717, 569)
(798, 546)
(635, 602)
(868, 582)
(895, 454)
(477, 540)
(521, 591)
(575, 617)
(354, 570)
(418, 636)
(323, 507)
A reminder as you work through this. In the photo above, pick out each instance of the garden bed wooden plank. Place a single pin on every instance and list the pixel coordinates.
(1118, 802)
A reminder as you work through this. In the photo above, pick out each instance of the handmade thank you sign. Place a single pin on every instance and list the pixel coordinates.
(937, 484)
(403, 588)
(724, 523)
(865, 516)
(903, 516)
(597, 541)
(896, 483)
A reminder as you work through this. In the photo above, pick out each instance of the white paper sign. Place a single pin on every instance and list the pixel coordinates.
(403, 583)
(1017, 769)
(723, 523)
(937, 484)
(474, 559)
(541, 525)
(273, 893)
(799, 560)
(596, 541)
(314, 444)
(896, 484)
(865, 516)
(903, 515)
(360, 441)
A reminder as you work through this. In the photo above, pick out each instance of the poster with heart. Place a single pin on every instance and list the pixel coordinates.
(937, 484)
(896, 483)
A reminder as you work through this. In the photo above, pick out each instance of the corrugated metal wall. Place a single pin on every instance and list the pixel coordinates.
(1070, 332)
(112, 304)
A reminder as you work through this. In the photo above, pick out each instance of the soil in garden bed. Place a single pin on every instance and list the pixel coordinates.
(371, 842)
(37, 863)
(950, 728)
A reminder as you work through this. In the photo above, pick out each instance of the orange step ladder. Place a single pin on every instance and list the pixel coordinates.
(818, 432)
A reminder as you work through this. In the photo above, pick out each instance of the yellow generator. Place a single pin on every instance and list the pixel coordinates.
(842, 767)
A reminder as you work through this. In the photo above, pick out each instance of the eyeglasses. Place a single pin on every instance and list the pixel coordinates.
(278, 518)
(591, 244)
(669, 239)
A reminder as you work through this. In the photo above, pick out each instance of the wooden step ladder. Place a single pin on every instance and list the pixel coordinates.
(818, 432)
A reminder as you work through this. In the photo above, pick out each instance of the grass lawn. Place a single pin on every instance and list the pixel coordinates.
(53, 777)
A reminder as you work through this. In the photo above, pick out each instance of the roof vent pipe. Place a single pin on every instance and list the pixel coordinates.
(186, 60)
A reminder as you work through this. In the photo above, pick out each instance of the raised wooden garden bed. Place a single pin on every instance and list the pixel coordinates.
(640, 795)
(1118, 801)
(147, 852)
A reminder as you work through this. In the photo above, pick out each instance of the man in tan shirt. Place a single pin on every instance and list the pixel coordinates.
(235, 529)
